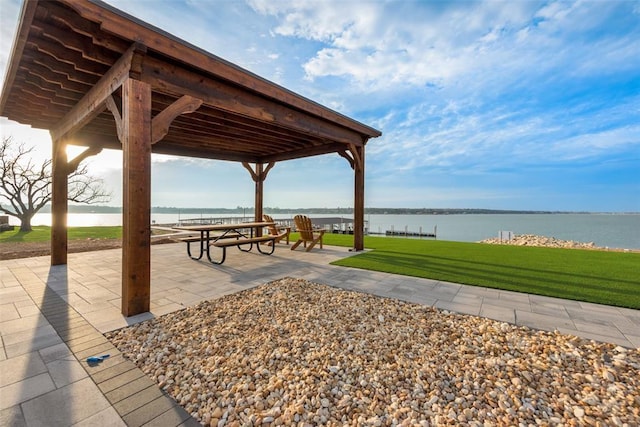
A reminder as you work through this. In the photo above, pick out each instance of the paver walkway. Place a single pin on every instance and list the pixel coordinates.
(53, 318)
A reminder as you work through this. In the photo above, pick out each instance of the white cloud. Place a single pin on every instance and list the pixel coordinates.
(596, 143)
(458, 137)
(458, 89)
(377, 44)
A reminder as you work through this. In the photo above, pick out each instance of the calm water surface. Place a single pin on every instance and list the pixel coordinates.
(614, 231)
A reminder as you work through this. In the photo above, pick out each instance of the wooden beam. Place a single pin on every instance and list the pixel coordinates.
(84, 138)
(112, 21)
(305, 152)
(59, 203)
(62, 13)
(136, 197)
(93, 103)
(72, 165)
(220, 95)
(161, 122)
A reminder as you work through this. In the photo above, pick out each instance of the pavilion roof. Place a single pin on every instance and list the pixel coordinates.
(65, 48)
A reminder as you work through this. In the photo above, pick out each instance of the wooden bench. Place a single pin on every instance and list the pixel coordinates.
(196, 239)
(223, 242)
(240, 241)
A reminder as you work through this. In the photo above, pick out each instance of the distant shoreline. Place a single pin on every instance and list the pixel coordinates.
(613, 231)
(334, 211)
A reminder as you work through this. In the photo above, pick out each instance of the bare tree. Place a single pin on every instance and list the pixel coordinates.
(26, 185)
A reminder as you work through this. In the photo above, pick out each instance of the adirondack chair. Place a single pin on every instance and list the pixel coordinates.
(307, 233)
(277, 230)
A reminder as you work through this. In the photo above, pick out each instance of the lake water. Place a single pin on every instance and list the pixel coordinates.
(609, 230)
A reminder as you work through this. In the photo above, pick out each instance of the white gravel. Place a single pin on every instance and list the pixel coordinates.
(293, 352)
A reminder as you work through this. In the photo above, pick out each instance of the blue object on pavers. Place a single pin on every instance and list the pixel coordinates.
(96, 359)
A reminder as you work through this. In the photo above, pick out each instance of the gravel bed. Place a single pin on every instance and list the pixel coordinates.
(292, 352)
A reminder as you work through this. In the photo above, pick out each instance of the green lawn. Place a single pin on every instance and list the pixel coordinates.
(42, 233)
(611, 278)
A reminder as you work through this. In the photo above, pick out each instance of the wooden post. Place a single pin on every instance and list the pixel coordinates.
(259, 196)
(59, 205)
(136, 197)
(358, 203)
(259, 175)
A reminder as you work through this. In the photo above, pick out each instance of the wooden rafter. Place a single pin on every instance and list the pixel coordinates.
(166, 44)
(26, 18)
(93, 103)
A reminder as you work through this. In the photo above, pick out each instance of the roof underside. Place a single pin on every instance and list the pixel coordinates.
(64, 48)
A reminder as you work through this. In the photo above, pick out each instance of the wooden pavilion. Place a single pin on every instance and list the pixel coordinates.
(99, 78)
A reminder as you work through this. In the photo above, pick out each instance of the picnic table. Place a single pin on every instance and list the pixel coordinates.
(241, 235)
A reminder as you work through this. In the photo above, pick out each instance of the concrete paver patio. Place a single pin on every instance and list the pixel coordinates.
(53, 318)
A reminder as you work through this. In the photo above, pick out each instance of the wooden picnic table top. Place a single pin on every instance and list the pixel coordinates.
(220, 227)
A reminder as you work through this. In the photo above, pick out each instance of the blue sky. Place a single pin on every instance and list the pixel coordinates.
(496, 104)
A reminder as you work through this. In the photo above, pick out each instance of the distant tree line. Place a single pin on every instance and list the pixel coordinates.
(286, 211)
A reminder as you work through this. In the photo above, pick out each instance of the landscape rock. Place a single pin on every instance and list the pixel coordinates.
(296, 352)
(542, 241)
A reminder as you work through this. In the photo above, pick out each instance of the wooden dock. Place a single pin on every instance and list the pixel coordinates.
(408, 233)
(334, 225)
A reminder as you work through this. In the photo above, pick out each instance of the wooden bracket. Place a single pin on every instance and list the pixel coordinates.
(259, 175)
(348, 157)
(72, 165)
(160, 123)
(352, 156)
(94, 101)
(357, 160)
(113, 107)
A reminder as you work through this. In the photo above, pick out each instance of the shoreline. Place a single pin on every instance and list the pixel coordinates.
(551, 242)
(612, 231)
